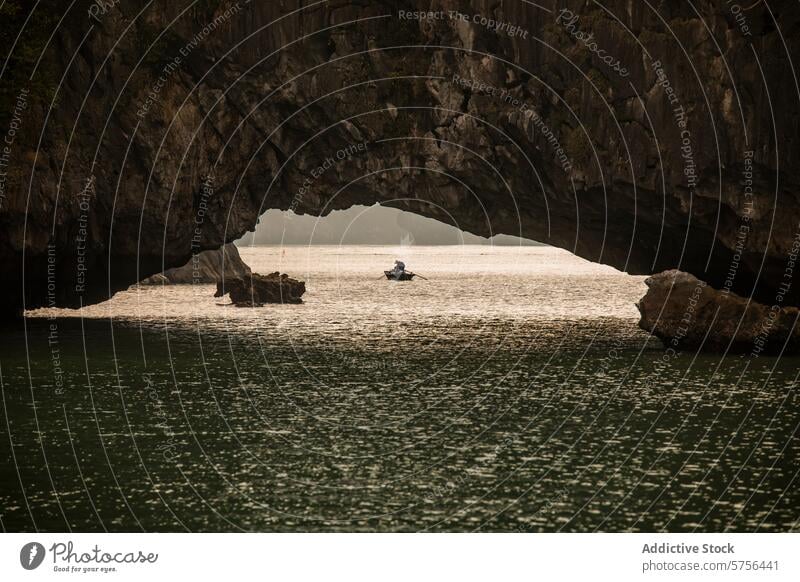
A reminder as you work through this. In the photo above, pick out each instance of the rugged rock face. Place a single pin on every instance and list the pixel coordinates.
(256, 290)
(667, 139)
(686, 313)
(206, 267)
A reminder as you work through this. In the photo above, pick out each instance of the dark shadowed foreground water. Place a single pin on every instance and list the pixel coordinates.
(510, 392)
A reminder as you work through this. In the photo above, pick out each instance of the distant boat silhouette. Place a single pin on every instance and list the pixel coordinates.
(404, 276)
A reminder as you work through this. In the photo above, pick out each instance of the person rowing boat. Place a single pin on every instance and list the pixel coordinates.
(399, 273)
(399, 269)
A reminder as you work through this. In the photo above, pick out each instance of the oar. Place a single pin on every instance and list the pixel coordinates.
(420, 276)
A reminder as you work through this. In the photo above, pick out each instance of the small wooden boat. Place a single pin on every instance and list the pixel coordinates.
(406, 276)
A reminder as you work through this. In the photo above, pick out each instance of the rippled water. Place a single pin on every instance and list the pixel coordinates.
(511, 391)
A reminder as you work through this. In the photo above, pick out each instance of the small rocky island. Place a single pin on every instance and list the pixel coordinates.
(225, 267)
(255, 290)
(686, 313)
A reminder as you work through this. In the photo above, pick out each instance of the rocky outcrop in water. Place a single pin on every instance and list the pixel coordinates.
(646, 136)
(687, 314)
(256, 290)
(206, 267)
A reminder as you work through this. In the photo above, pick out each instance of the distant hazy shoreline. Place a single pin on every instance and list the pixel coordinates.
(490, 243)
(366, 225)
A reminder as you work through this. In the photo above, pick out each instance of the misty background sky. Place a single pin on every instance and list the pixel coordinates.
(365, 225)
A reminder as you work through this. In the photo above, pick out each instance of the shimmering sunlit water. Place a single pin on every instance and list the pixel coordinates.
(511, 391)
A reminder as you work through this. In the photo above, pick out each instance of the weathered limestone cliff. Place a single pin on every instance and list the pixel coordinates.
(213, 266)
(687, 314)
(644, 135)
